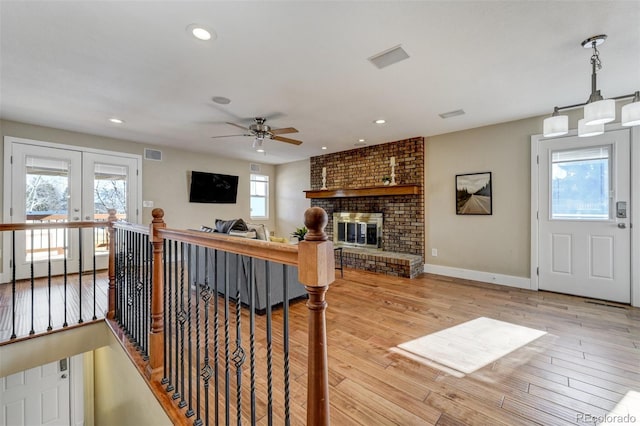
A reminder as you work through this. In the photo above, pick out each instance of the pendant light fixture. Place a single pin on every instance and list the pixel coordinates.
(597, 110)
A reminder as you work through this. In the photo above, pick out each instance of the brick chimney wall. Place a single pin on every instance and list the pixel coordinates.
(403, 215)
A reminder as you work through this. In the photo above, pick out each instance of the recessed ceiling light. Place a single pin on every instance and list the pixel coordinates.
(324, 147)
(201, 33)
(221, 100)
(380, 121)
(360, 140)
(115, 120)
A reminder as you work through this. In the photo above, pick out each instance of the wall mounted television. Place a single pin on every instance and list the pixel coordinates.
(213, 188)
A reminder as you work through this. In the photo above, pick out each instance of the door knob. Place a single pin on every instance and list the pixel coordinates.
(64, 376)
(87, 217)
(76, 218)
(622, 225)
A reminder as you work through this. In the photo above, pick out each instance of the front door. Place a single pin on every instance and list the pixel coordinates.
(584, 230)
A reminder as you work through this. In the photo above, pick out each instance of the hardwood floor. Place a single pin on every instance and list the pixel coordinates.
(586, 364)
(40, 301)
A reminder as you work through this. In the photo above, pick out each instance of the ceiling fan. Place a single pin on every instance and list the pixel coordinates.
(261, 131)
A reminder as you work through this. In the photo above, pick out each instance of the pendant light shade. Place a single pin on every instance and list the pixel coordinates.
(585, 130)
(597, 110)
(631, 112)
(600, 112)
(556, 125)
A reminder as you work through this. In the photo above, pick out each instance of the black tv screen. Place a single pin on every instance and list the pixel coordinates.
(213, 188)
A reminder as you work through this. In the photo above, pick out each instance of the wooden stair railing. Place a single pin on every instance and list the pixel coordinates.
(316, 271)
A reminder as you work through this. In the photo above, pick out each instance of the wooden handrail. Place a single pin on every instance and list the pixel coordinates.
(134, 227)
(52, 225)
(266, 250)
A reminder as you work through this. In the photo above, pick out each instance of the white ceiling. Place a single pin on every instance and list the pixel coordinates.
(74, 64)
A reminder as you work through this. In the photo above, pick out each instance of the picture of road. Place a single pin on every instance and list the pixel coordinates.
(473, 194)
(477, 204)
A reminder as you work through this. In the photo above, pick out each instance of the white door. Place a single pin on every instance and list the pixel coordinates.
(46, 186)
(51, 184)
(584, 230)
(39, 396)
(109, 182)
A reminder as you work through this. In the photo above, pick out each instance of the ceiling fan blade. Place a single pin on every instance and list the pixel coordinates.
(228, 136)
(237, 125)
(287, 140)
(283, 131)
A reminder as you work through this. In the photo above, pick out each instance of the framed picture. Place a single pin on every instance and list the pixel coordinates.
(473, 194)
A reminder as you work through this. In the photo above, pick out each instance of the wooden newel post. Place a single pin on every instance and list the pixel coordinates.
(156, 334)
(111, 308)
(316, 270)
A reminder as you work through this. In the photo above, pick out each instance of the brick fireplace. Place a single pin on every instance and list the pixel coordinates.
(403, 215)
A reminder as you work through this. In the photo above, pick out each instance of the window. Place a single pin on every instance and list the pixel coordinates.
(259, 196)
(580, 184)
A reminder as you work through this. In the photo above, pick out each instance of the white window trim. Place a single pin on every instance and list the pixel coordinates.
(266, 196)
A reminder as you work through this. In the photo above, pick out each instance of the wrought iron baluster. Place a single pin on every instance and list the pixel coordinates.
(227, 368)
(93, 244)
(64, 267)
(50, 326)
(267, 269)
(176, 281)
(216, 338)
(252, 337)
(189, 412)
(238, 353)
(182, 318)
(285, 342)
(33, 305)
(197, 421)
(80, 321)
(13, 285)
(206, 371)
(166, 308)
(138, 295)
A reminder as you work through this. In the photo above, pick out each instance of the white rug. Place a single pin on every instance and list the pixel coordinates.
(470, 346)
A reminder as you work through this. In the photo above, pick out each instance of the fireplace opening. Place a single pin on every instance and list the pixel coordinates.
(357, 230)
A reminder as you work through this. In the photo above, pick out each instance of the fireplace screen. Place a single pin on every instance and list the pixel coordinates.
(357, 230)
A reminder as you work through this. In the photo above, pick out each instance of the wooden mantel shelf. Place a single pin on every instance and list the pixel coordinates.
(371, 191)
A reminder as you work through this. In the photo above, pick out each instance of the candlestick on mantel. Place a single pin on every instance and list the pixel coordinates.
(324, 178)
(393, 170)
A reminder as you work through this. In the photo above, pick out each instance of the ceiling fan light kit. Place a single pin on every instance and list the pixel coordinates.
(597, 110)
(261, 131)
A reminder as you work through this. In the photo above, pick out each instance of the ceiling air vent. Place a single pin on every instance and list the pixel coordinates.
(255, 168)
(389, 57)
(152, 154)
(450, 114)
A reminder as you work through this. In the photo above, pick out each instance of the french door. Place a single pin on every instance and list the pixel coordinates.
(584, 227)
(50, 184)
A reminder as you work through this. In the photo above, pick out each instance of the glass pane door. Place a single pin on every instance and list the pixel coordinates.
(45, 189)
(109, 182)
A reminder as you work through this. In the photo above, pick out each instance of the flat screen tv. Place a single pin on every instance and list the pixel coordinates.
(213, 188)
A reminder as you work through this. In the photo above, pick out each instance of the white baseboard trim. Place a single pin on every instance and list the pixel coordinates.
(485, 277)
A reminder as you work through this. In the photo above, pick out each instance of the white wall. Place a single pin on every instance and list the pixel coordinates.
(165, 182)
(291, 180)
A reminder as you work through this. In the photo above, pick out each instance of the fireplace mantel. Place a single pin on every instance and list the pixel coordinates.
(371, 191)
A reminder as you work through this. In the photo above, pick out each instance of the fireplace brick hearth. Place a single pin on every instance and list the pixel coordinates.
(403, 214)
